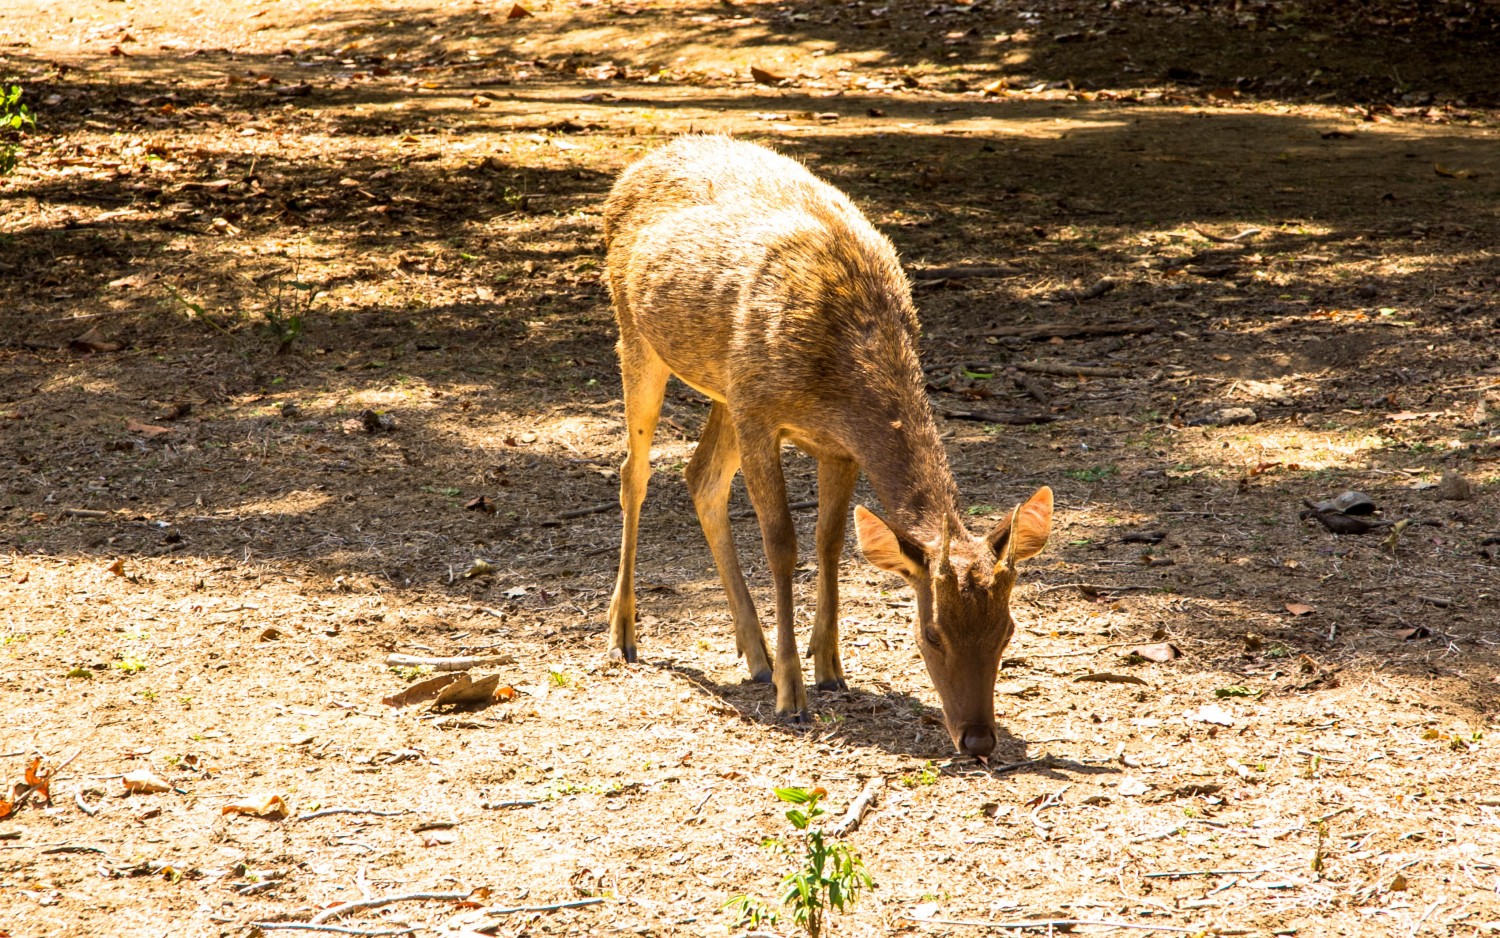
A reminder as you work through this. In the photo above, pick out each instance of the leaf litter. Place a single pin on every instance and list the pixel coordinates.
(294, 511)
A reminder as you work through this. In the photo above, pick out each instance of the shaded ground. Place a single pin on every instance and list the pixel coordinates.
(433, 176)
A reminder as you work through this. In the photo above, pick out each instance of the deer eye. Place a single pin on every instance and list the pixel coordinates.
(931, 637)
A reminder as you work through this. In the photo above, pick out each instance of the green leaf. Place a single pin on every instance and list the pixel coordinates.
(795, 795)
(1236, 690)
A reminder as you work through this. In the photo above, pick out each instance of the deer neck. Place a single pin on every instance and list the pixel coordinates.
(908, 468)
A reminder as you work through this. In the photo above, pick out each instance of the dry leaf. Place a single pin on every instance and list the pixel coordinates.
(422, 690)
(145, 429)
(1442, 170)
(764, 77)
(1300, 609)
(117, 568)
(1159, 652)
(518, 12)
(38, 780)
(144, 782)
(466, 692)
(1130, 786)
(94, 341)
(263, 804)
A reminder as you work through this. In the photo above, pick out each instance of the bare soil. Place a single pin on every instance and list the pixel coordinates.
(208, 549)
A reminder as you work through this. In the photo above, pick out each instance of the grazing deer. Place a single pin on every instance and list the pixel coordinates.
(764, 288)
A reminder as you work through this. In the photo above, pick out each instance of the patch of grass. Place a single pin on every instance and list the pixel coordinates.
(1093, 473)
(409, 673)
(927, 775)
(129, 665)
(14, 117)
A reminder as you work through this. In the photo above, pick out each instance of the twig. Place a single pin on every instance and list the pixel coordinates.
(1059, 330)
(543, 908)
(1012, 766)
(84, 806)
(1084, 588)
(1035, 388)
(1180, 874)
(495, 805)
(1009, 419)
(336, 929)
(459, 663)
(1333, 814)
(347, 907)
(794, 506)
(587, 510)
(1092, 293)
(327, 811)
(84, 513)
(864, 802)
(1050, 923)
(1069, 370)
(963, 273)
(1247, 233)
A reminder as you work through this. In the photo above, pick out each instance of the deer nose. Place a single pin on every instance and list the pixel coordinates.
(978, 741)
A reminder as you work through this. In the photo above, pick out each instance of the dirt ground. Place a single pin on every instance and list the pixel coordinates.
(208, 549)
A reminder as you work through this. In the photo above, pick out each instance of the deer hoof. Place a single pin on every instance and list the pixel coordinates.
(833, 683)
(762, 677)
(628, 654)
(798, 718)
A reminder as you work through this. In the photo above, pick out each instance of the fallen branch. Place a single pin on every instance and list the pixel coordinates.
(543, 908)
(1008, 419)
(864, 802)
(357, 904)
(336, 929)
(84, 513)
(1063, 331)
(1070, 370)
(964, 273)
(328, 811)
(1051, 924)
(1092, 293)
(459, 663)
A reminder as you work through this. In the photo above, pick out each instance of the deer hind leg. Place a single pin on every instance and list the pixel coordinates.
(760, 453)
(836, 478)
(709, 476)
(645, 379)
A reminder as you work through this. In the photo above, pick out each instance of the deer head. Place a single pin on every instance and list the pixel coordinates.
(963, 586)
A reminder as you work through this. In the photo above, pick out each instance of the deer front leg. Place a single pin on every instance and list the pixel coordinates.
(761, 456)
(709, 476)
(836, 478)
(645, 380)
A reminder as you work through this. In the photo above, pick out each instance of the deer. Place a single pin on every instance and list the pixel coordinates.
(765, 289)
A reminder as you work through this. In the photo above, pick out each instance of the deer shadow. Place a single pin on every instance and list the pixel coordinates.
(887, 719)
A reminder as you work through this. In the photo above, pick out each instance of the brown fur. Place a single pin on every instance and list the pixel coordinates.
(767, 290)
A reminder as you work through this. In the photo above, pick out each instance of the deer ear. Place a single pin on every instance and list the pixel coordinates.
(1023, 534)
(881, 546)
